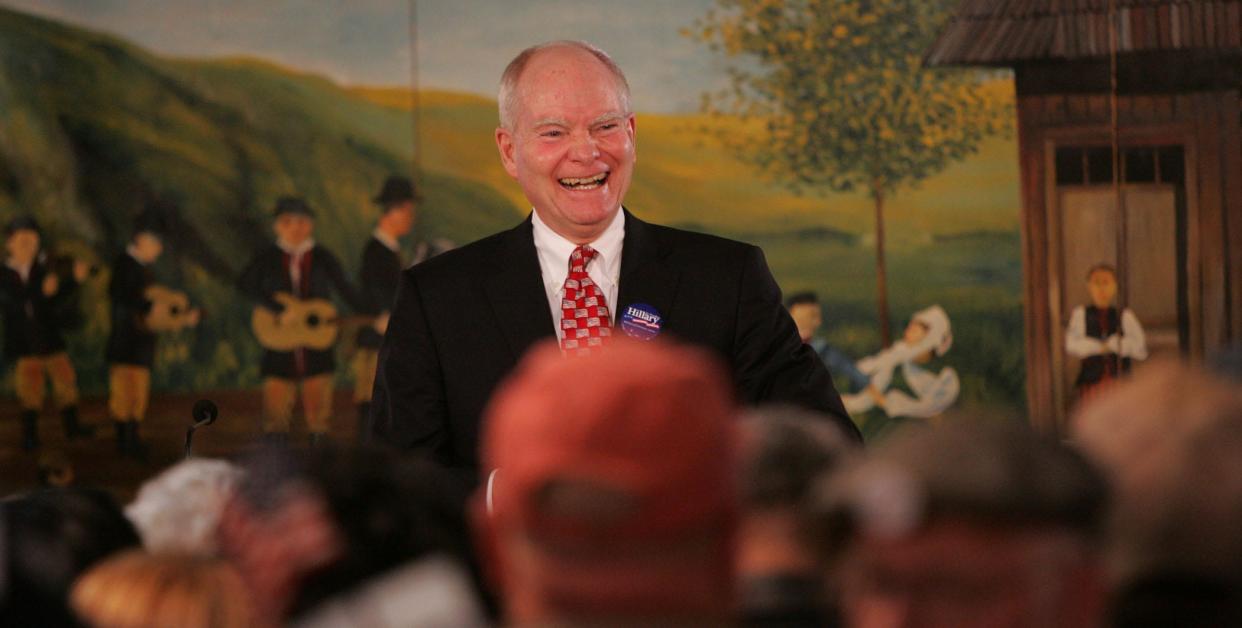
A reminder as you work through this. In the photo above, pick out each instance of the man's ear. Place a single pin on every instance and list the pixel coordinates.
(632, 123)
(504, 143)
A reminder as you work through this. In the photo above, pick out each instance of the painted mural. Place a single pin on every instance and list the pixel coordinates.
(208, 113)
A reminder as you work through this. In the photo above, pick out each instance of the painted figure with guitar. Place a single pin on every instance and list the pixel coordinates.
(378, 278)
(140, 309)
(291, 282)
(37, 305)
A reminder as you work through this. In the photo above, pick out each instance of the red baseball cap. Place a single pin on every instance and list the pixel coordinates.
(650, 426)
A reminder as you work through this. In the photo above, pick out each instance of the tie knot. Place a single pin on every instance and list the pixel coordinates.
(582, 256)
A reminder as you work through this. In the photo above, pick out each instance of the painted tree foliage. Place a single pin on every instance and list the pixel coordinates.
(845, 100)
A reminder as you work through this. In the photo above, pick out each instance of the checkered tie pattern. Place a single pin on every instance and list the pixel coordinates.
(584, 310)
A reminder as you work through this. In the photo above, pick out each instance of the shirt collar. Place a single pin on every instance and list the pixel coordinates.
(22, 271)
(387, 240)
(554, 250)
(132, 251)
(305, 246)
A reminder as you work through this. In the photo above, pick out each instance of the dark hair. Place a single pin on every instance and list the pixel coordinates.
(801, 298)
(52, 536)
(1102, 266)
(790, 450)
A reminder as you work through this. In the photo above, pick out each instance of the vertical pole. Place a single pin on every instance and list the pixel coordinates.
(881, 272)
(1118, 197)
(416, 153)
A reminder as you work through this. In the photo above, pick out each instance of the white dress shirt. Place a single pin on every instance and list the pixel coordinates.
(388, 241)
(295, 254)
(605, 269)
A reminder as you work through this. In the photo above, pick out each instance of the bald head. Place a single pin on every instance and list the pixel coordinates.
(507, 98)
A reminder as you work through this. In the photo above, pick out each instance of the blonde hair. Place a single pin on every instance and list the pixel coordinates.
(506, 98)
(140, 590)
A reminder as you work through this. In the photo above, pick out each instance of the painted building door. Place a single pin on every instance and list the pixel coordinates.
(1150, 276)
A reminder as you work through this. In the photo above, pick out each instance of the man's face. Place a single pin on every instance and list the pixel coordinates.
(963, 575)
(1103, 287)
(294, 229)
(808, 317)
(23, 246)
(399, 219)
(571, 147)
(148, 247)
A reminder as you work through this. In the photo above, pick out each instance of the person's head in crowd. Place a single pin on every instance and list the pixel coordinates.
(293, 221)
(929, 333)
(969, 524)
(806, 312)
(615, 494)
(1171, 441)
(566, 135)
(147, 242)
(136, 589)
(303, 527)
(179, 509)
(21, 244)
(50, 537)
(784, 451)
(396, 200)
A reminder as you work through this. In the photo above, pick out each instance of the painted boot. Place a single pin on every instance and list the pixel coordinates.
(73, 429)
(137, 449)
(30, 430)
(364, 422)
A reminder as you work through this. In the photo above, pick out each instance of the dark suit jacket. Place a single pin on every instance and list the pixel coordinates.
(129, 341)
(32, 321)
(463, 319)
(378, 278)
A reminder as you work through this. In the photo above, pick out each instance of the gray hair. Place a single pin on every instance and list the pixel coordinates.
(789, 450)
(506, 99)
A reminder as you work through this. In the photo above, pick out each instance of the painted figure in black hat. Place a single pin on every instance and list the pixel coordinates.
(37, 306)
(378, 278)
(287, 279)
(131, 343)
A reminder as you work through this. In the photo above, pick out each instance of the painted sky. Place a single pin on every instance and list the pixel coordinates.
(461, 44)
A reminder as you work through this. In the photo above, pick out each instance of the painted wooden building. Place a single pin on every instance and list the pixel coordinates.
(1178, 70)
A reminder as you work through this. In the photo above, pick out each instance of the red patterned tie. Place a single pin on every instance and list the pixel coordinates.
(584, 310)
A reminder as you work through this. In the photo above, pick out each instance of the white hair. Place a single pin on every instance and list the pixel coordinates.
(506, 99)
(178, 510)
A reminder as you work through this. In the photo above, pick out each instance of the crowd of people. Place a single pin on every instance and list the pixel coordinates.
(646, 496)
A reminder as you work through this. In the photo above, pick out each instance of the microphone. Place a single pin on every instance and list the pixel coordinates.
(203, 413)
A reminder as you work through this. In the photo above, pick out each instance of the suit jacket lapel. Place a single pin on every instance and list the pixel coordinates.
(516, 293)
(645, 277)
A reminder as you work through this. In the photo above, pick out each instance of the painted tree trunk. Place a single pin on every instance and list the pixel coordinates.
(881, 269)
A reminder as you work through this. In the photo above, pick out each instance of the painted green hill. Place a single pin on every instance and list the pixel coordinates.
(93, 128)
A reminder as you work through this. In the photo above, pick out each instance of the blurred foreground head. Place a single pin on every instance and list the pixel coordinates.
(48, 538)
(139, 590)
(1171, 441)
(308, 529)
(785, 451)
(179, 509)
(970, 524)
(615, 495)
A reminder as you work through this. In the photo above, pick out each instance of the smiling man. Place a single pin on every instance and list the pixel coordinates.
(580, 270)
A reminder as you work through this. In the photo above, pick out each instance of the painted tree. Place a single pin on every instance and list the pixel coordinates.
(844, 99)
